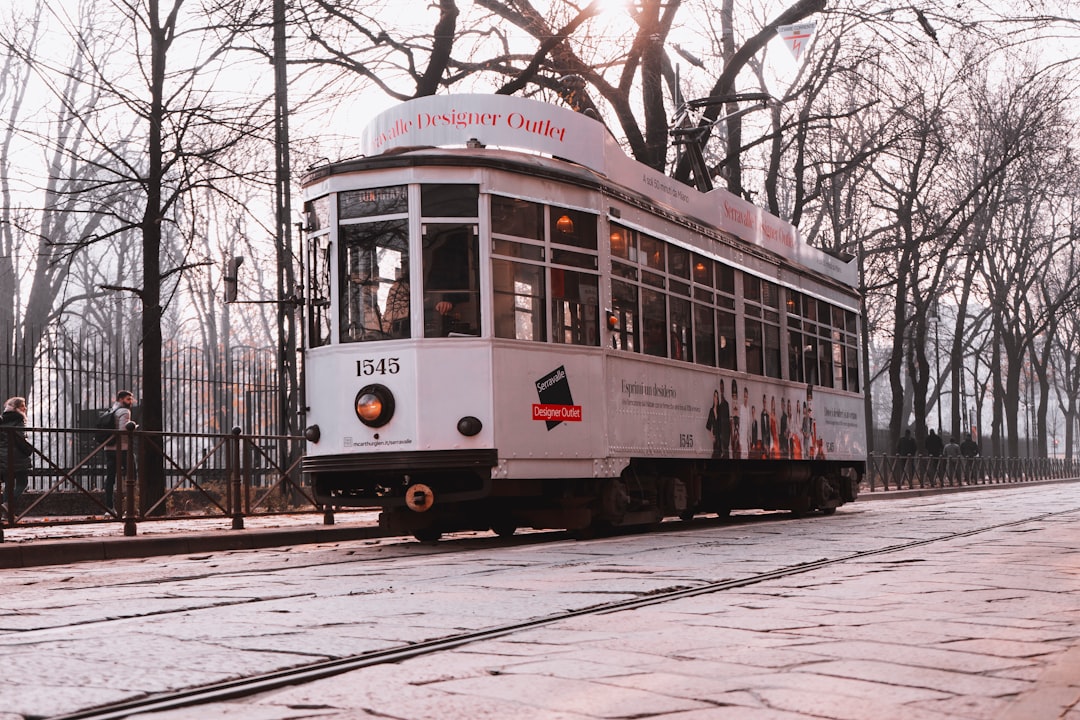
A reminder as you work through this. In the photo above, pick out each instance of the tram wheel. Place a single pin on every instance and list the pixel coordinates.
(686, 515)
(828, 511)
(504, 531)
(427, 535)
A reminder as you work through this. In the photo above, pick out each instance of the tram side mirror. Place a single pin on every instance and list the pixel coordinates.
(232, 275)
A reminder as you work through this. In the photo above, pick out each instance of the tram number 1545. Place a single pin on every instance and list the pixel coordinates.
(382, 366)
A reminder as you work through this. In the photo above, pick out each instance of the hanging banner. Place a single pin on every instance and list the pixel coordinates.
(796, 37)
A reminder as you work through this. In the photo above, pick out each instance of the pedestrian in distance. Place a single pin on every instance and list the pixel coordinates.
(951, 449)
(906, 450)
(934, 445)
(906, 446)
(969, 449)
(116, 449)
(951, 453)
(15, 451)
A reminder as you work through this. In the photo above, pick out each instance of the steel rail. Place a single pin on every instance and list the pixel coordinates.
(242, 687)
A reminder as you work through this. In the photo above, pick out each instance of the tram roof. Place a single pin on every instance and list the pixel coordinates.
(499, 130)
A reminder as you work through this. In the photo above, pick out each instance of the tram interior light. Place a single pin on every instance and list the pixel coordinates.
(612, 321)
(618, 243)
(564, 224)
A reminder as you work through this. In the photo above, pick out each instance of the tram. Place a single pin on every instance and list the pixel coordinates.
(510, 323)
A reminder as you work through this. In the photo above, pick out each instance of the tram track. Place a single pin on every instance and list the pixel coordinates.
(265, 682)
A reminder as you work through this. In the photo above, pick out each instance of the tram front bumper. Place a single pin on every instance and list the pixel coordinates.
(383, 479)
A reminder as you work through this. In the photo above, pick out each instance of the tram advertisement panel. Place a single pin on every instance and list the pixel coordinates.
(549, 404)
(659, 410)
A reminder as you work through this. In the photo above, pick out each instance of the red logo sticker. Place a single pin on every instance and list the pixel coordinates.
(565, 413)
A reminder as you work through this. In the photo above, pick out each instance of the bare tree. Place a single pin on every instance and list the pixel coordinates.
(165, 88)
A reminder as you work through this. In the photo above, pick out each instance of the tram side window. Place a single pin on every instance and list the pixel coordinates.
(575, 308)
(654, 322)
(755, 357)
(624, 304)
(851, 357)
(762, 303)
(519, 300)
(437, 201)
(726, 327)
(520, 218)
(825, 357)
(318, 291)
(704, 335)
(838, 360)
(725, 336)
(374, 281)
(772, 350)
(810, 357)
(451, 271)
(682, 347)
(317, 214)
(795, 357)
(573, 227)
(623, 243)
(704, 317)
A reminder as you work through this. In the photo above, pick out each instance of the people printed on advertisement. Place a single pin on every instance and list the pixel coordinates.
(755, 447)
(784, 428)
(719, 423)
(736, 430)
(748, 414)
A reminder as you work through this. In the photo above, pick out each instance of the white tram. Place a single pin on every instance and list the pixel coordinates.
(512, 324)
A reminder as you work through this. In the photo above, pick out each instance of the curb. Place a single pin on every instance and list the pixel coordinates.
(63, 552)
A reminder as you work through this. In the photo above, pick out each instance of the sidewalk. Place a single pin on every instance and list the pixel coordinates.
(77, 539)
(69, 540)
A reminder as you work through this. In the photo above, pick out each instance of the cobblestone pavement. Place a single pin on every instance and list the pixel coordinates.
(979, 626)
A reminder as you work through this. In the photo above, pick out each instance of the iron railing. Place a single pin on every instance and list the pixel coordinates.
(229, 475)
(898, 472)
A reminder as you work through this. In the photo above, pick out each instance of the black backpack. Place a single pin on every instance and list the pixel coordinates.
(105, 426)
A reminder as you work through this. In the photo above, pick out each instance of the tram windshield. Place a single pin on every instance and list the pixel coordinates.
(451, 279)
(375, 290)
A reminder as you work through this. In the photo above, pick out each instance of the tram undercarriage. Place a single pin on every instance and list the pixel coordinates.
(429, 503)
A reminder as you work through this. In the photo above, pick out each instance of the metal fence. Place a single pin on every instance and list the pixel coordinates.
(897, 472)
(74, 377)
(232, 475)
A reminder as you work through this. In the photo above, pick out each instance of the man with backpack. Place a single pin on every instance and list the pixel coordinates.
(116, 447)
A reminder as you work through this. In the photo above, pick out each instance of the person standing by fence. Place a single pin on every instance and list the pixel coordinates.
(116, 449)
(906, 450)
(951, 453)
(15, 451)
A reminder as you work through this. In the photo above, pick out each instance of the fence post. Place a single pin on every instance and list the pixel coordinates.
(129, 481)
(235, 476)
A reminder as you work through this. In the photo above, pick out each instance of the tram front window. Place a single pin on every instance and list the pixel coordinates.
(451, 279)
(375, 281)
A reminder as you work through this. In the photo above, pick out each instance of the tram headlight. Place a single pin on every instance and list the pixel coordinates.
(374, 405)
